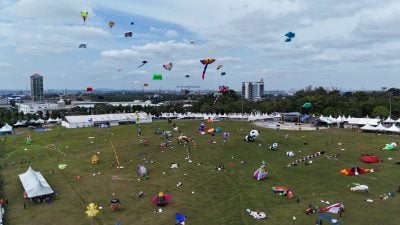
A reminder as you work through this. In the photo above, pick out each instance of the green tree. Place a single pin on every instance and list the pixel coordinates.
(380, 111)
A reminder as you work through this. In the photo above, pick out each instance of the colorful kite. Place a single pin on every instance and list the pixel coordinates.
(84, 15)
(355, 171)
(89, 89)
(335, 208)
(157, 76)
(260, 173)
(143, 62)
(161, 199)
(111, 24)
(283, 191)
(206, 62)
(223, 89)
(390, 146)
(168, 66)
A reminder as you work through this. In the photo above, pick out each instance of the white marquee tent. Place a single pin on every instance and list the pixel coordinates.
(6, 129)
(34, 184)
(111, 119)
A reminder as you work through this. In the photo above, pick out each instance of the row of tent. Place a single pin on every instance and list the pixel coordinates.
(357, 121)
(38, 121)
(381, 128)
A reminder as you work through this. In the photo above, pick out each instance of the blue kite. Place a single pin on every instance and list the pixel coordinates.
(180, 218)
(289, 36)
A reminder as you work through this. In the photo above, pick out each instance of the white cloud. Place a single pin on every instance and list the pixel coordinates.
(171, 34)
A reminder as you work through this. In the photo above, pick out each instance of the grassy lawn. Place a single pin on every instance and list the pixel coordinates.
(220, 197)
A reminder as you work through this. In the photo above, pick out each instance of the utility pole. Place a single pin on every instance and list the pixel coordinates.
(390, 104)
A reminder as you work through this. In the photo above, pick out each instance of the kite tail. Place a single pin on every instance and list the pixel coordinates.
(204, 72)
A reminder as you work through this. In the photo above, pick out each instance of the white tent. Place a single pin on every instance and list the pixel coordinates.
(368, 127)
(6, 129)
(34, 184)
(380, 127)
(20, 123)
(389, 120)
(393, 129)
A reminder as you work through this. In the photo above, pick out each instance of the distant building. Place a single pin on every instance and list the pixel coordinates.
(253, 91)
(37, 88)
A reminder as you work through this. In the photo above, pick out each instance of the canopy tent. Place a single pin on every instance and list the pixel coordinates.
(389, 120)
(20, 123)
(6, 129)
(393, 129)
(34, 184)
(380, 127)
(368, 127)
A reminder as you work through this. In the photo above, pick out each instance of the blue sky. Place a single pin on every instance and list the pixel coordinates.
(350, 45)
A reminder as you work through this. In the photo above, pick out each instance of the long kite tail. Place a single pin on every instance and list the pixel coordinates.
(204, 72)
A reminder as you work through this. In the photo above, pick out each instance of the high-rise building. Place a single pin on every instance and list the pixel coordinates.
(253, 91)
(37, 88)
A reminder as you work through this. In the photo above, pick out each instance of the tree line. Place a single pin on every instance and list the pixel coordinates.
(357, 104)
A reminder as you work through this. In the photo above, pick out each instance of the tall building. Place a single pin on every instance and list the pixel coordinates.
(253, 91)
(37, 88)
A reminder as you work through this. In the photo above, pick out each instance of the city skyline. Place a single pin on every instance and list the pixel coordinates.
(349, 45)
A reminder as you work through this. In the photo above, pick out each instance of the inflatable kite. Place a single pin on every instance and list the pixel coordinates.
(142, 170)
(251, 136)
(294, 163)
(168, 66)
(361, 187)
(260, 173)
(206, 62)
(390, 146)
(115, 203)
(370, 158)
(180, 219)
(161, 199)
(355, 171)
(283, 191)
(143, 63)
(223, 89)
(335, 208)
(84, 15)
(289, 35)
(111, 24)
(157, 76)
(82, 45)
(128, 33)
(257, 215)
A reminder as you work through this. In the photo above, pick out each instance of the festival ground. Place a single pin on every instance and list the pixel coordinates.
(207, 195)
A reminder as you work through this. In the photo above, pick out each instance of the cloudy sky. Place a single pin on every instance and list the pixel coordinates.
(348, 44)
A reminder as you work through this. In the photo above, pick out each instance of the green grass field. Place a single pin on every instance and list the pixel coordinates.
(220, 197)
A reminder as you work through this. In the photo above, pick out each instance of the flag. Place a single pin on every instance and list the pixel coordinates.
(335, 208)
(307, 105)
